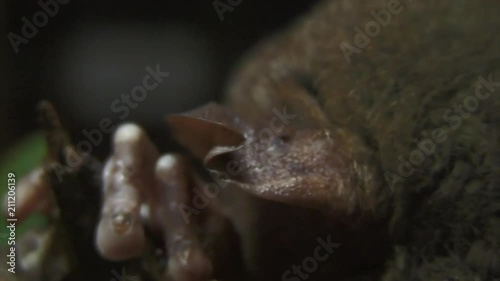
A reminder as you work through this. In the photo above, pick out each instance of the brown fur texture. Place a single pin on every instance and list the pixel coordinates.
(407, 125)
(441, 219)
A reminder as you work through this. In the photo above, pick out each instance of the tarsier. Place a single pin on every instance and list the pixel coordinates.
(386, 145)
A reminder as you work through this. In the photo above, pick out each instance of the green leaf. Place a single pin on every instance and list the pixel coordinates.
(20, 160)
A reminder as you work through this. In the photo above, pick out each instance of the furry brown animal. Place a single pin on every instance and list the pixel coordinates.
(390, 163)
(422, 92)
(417, 82)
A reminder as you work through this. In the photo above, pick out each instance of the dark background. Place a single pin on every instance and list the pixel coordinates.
(90, 52)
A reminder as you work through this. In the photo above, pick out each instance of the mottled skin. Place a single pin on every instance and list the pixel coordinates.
(443, 219)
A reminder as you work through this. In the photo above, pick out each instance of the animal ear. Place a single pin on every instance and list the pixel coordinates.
(207, 127)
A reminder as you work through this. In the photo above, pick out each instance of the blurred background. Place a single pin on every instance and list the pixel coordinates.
(83, 55)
